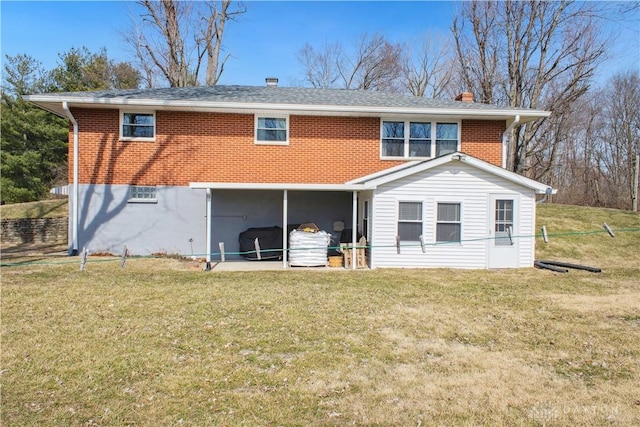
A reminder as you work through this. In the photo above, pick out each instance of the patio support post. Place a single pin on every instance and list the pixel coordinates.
(354, 228)
(209, 228)
(285, 219)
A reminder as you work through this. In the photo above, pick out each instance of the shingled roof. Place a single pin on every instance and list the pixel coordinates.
(294, 99)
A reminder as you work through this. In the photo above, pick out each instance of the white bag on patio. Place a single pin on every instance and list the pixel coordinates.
(308, 249)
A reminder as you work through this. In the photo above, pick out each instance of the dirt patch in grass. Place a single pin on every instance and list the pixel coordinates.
(621, 304)
(33, 249)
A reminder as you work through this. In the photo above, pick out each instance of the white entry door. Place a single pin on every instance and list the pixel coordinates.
(503, 226)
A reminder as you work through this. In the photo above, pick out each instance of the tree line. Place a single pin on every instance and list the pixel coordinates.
(530, 54)
(34, 142)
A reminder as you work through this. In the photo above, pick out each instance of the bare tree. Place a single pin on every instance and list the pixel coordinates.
(478, 49)
(595, 160)
(529, 54)
(212, 37)
(175, 38)
(428, 72)
(320, 65)
(575, 171)
(373, 64)
(619, 140)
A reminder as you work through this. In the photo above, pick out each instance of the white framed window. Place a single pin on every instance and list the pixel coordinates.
(414, 139)
(365, 218)
(137, 126)
(419, 139)
(393, 139)
(272, 130)
(448, 223)
(504, 222)
(446, 138)
(142, 194)
(409, 221)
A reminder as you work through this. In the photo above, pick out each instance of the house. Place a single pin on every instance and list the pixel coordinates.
(178, 170)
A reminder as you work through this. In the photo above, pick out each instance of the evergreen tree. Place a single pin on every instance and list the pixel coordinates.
(33, 142)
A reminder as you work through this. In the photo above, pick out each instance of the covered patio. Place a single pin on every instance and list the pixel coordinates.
(233, 207)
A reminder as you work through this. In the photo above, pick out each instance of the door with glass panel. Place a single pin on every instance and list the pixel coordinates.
(503, 241)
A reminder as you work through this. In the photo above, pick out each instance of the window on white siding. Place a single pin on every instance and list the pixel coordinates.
(449, 226)
(504, 222)
(409, 139)
(137, 126)
(410, 221)
(272, 130)
(365, 219)
(142, 193)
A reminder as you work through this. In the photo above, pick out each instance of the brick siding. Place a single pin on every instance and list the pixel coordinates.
(219, 147)
(483, 139)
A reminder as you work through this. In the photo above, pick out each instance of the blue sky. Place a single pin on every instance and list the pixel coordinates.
(265, 40)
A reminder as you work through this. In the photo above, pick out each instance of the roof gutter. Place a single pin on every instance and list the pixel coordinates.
(505, 139)
(46, 102)
(276, 186)
(76, 192)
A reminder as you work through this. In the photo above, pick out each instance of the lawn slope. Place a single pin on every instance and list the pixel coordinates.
(158, 343)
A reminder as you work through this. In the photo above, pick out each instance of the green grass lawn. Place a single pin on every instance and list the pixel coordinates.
(161, 343)
(41, 209)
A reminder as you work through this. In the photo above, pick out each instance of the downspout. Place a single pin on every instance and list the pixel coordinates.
(76, 192)
(209, 228)
(505, 137)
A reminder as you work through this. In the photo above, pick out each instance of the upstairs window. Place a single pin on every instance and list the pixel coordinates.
(446, 138)
(409, 139)
(419, 139)
(272, 130)
(137, 126)
(393, 139)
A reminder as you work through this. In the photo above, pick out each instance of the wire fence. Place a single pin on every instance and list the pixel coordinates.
(277, 253)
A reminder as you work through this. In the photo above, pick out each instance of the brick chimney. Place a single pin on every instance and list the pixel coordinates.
(465, 97)
(271, 81)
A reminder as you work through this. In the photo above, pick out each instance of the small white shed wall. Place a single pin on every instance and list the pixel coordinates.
(454, 182)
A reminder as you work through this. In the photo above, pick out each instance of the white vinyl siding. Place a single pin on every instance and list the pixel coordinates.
(472, 188)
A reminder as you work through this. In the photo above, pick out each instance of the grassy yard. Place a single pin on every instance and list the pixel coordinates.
(41, 209)
(160, 343)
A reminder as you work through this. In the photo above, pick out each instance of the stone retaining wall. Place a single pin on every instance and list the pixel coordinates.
(41, 230)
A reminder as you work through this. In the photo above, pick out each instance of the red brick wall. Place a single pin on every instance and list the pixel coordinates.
(217, 147)
(483, 139)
